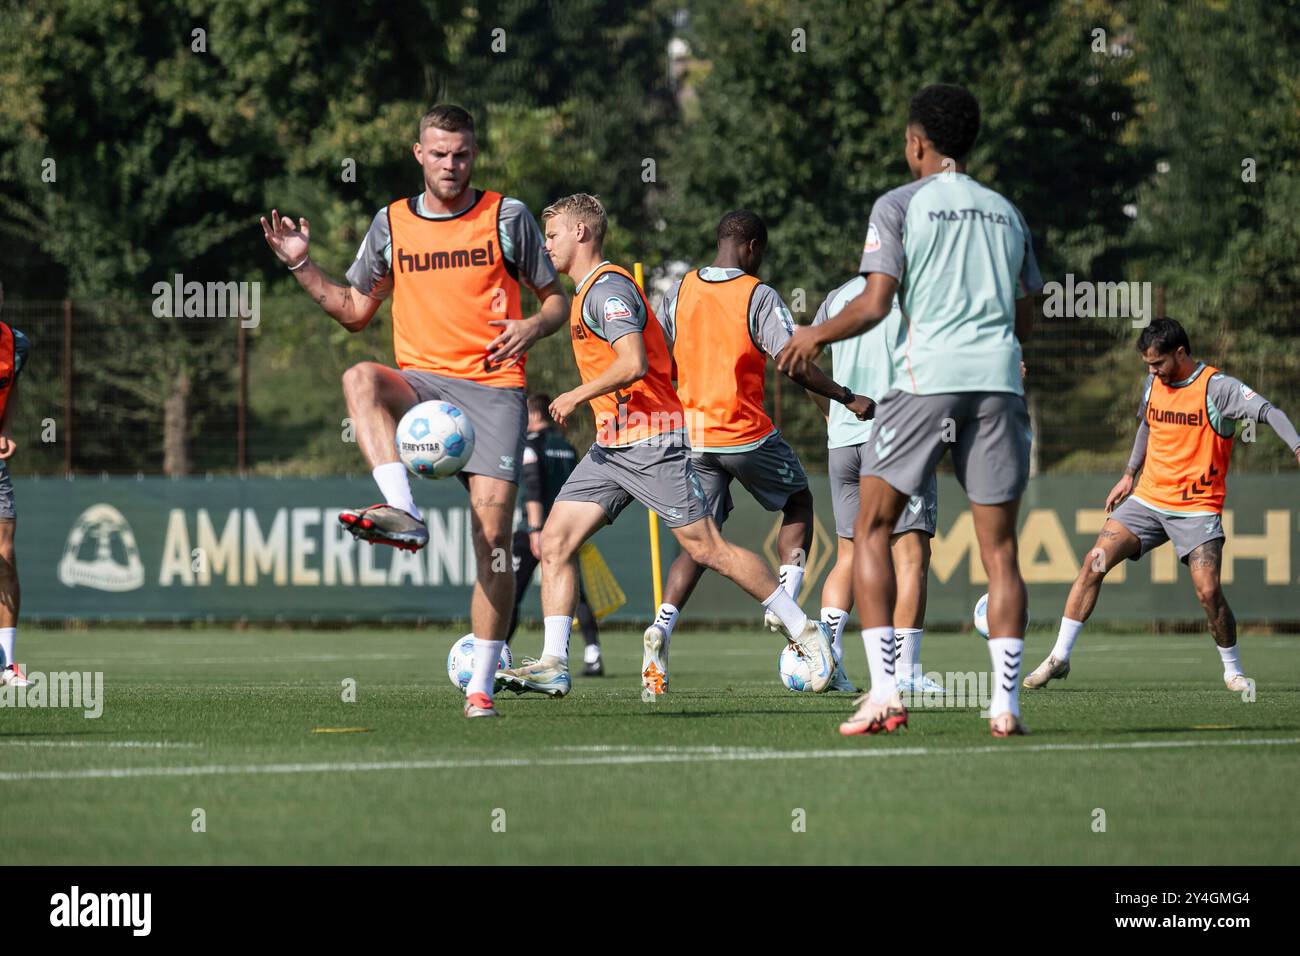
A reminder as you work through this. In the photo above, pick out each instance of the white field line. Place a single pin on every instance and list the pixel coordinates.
(720, 755)
(136, 744)
(246, 659)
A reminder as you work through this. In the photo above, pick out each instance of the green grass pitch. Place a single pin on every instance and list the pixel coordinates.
(731, 768)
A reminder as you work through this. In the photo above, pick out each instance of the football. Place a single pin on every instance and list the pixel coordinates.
(795, 670)
(435, 439)
(460, 661)
(982, 615)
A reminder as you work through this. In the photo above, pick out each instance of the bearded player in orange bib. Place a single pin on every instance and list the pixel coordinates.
(1184, 443)
(640, 454)
(453, 258)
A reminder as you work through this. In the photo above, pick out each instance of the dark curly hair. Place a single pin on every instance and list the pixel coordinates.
(1164, 335)
(742, 226)
(949, 116)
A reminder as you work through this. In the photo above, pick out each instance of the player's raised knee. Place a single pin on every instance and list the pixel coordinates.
(361, 378)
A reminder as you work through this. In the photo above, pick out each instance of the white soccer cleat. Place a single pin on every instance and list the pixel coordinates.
(654, 663)
(13, 676)
(908, 684)
(840, 681)
(1239, 683)
(815, 644)
(549, 676)
(772, 621)
(1050, 670)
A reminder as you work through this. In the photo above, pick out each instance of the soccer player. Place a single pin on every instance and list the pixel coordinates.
(549, 459)
(13, 355)
(866, 365)
(453, 258)
(1184, 443)
(640, 453)
(959, 257)
(722, 323)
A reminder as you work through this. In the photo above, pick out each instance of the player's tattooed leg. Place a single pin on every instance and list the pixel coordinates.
(1205, 563)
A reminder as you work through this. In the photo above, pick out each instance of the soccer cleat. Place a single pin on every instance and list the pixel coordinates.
(13, 676)
(907, 684)
(594, 668)
(479, 705)
(549, 676)
(384, 524)
(872, 717)
(1007, 725)
(654, 663)
(772, 621)
(840, 681)
(1050, 670)
(1238, 683)
(814, 643)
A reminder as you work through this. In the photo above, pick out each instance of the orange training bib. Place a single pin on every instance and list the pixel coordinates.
(1186, 466)
(450, 280)
(720, 368)
(646, 408)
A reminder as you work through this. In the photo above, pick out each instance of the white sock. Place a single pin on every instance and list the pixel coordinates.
(7, 637)
(1065, 640)
(792, 579)
(836, 618)
(879, 642)
(487, 658)
(1005, 652)
(908, 640)
(782, 605)
(591, 653)
(394, 483)
(557, 628)
(1231, 658)
(666, 620)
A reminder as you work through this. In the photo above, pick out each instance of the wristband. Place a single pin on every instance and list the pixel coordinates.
(847, 397)
(300, 264)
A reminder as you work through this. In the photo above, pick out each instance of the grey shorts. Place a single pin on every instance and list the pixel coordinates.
(988, 432)
(7, 510)
(1152, 528)
(499, 417)
(771, 473)
(845, 468)
(657, 474)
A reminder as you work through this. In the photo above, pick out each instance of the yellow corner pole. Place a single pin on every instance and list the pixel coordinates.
(656, 572)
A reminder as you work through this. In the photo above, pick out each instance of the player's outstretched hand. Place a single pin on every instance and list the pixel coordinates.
(516, 338)
(863, 407)
(562, 407)
(1123, 488)
(287, 239)
(7, 446)
(800, 353)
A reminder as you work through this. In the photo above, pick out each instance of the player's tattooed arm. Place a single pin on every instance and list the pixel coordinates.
(290, 242)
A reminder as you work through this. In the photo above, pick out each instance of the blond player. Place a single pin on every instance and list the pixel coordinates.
(640, 454)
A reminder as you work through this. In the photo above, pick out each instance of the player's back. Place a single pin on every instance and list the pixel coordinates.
(963, 256)
(721, 368)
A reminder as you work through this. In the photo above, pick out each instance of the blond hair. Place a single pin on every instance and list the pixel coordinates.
(583, 208)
